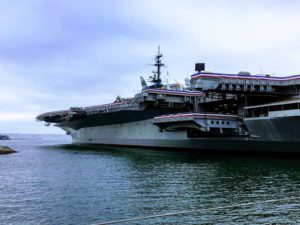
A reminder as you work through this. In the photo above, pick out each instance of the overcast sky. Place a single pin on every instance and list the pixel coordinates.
(60, 53)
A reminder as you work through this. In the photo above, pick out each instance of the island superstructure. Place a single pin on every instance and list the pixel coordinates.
(214, 111)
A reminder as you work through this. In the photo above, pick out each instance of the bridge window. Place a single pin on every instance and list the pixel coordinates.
(286, 107)
(290, 106)
(264, 111)
(276, 108)
(255, 112)
(212, 122)
(295, 106)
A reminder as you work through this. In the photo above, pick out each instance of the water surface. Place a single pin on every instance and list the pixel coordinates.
(51, 182)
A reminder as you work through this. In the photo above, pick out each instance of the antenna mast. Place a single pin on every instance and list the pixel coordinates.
(158, 64)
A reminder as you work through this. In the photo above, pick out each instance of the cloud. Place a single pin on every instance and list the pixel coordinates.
(7, 117)
(249, 34)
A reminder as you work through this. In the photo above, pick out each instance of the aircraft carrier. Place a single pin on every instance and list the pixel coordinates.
(211, 112)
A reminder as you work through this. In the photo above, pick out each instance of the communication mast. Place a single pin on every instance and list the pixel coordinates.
(158, 64)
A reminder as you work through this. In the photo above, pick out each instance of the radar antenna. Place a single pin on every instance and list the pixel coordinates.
(158, 64)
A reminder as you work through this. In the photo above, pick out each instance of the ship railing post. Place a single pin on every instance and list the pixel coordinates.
(195, 104)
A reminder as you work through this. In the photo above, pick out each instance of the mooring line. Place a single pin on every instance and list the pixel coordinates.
(197, 210)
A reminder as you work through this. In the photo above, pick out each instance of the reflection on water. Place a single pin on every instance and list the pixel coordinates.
(49, 182)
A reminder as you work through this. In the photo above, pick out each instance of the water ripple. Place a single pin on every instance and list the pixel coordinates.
(49, 182)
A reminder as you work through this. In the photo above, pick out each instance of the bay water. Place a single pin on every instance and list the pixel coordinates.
(50, 181)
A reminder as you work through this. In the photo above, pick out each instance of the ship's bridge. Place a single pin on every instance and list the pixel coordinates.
(244, 82)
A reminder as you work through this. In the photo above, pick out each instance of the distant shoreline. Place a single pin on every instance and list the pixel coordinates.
(4, 137)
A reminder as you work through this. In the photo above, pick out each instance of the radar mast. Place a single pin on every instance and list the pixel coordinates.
(158, 64)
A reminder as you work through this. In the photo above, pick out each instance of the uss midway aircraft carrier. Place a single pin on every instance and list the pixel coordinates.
(212, 112)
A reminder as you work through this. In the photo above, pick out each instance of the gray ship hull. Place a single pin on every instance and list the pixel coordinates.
(274, 129)
(205, 145)
(143, 134)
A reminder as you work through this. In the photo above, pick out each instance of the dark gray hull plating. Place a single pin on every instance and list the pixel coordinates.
(143, 134)
(277, 129)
